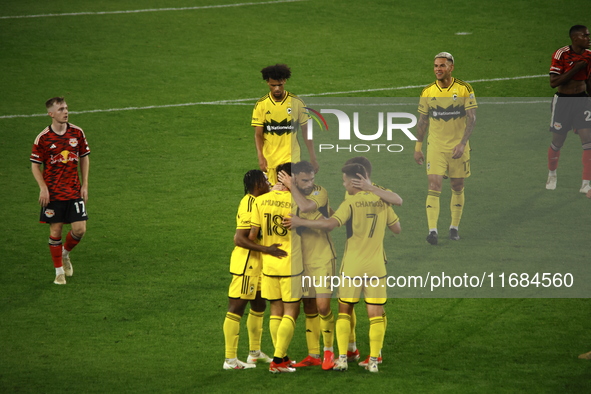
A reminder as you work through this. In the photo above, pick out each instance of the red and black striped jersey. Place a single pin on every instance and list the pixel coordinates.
(60, 155)
(565, 58)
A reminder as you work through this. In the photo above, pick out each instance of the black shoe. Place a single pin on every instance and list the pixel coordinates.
(453, 234)
(432, 238)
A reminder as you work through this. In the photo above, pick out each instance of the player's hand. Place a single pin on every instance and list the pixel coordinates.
(292, 221)
(84, 193)
(263, 163)
(44, 197)
(458, 151)
(419, 157)
(284, 178)
(315, 166)
(362, 183)
(274, 250)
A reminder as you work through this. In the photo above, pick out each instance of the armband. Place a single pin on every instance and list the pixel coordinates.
(418, 146)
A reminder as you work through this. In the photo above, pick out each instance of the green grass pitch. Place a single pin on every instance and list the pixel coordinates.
(144, 311)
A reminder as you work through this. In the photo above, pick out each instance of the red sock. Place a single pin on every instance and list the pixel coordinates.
(587, 165)
(553, 156)
(55, 248)
(71, 242)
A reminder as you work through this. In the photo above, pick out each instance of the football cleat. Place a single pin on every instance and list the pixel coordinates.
(372, 365)
(353, 356)
(551, 182)
(585, 189)
(67, 265)
(432, 238)
(585, 356)
(253, 358)
(453, 234)
(281, 367)
(60, 279)
(365, 362)
(341, 364)
(328, 361)
(309, 361)
(237, 364)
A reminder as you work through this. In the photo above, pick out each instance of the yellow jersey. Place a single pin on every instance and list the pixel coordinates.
(245, 261)
(317, 246)
(366, 217)
(446, 109)
(268, 213)
(281, 121)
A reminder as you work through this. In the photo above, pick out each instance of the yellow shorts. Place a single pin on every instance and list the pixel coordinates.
(284, 288)
(316, 281)
(244, 287)
(374, 291)
(442, 163)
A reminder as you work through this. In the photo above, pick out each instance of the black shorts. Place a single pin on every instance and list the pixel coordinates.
(570, 112)
(69, 211)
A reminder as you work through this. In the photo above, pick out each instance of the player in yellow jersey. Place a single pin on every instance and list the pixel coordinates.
(363, 269)
(245, 267)
(281, 283)
(389, 197)
(276, 119)
(447, 110)
(319, 257)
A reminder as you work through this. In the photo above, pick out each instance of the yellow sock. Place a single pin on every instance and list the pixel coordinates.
(313, 333)
(377, 330)
(327, 328)
(231, 334)
(274, 322)
(352, 337)
(432, 206)
(343, 328)
(284, 335)
(456, 207)
(385, 321)
(254, 324)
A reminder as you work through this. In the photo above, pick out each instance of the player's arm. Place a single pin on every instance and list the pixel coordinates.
(395, 228)
(84, 170)
(422, 129)
(588, 82)
(326, 224)
(303, 203)
(310, 145)
(43, 189)
(470, 122)
(259, 141)
(387, 196)
(559, 79)
(241, 238)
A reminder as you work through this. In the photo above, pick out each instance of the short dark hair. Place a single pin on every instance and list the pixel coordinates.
(364, 161)
(278, 72)
(302, 166)
(54, 100)
(284, 167)
(351, 170)
(252, 179)
(576, 29)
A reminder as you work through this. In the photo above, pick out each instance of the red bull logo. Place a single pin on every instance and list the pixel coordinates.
(64, 157)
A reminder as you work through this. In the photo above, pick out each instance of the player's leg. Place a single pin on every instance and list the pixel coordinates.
(312, 334)
(55, 249)
(456, 206)
(254, 325)
(73, 238)
(585, 135)
(239, 294)
(432, 206)
(553, 156)
(377, 331)
(343, 331)
(352, 351)
(327, 329)
(291, 295)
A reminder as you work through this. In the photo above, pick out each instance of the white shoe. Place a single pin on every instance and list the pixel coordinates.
(341, 364)
(551, 182)
(585, 189)
(372, 365)
(67, 265)
(256, 357)
(237, 364)
(60, 279)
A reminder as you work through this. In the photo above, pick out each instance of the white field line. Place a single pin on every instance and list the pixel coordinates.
(250, 101)
(205, 7)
